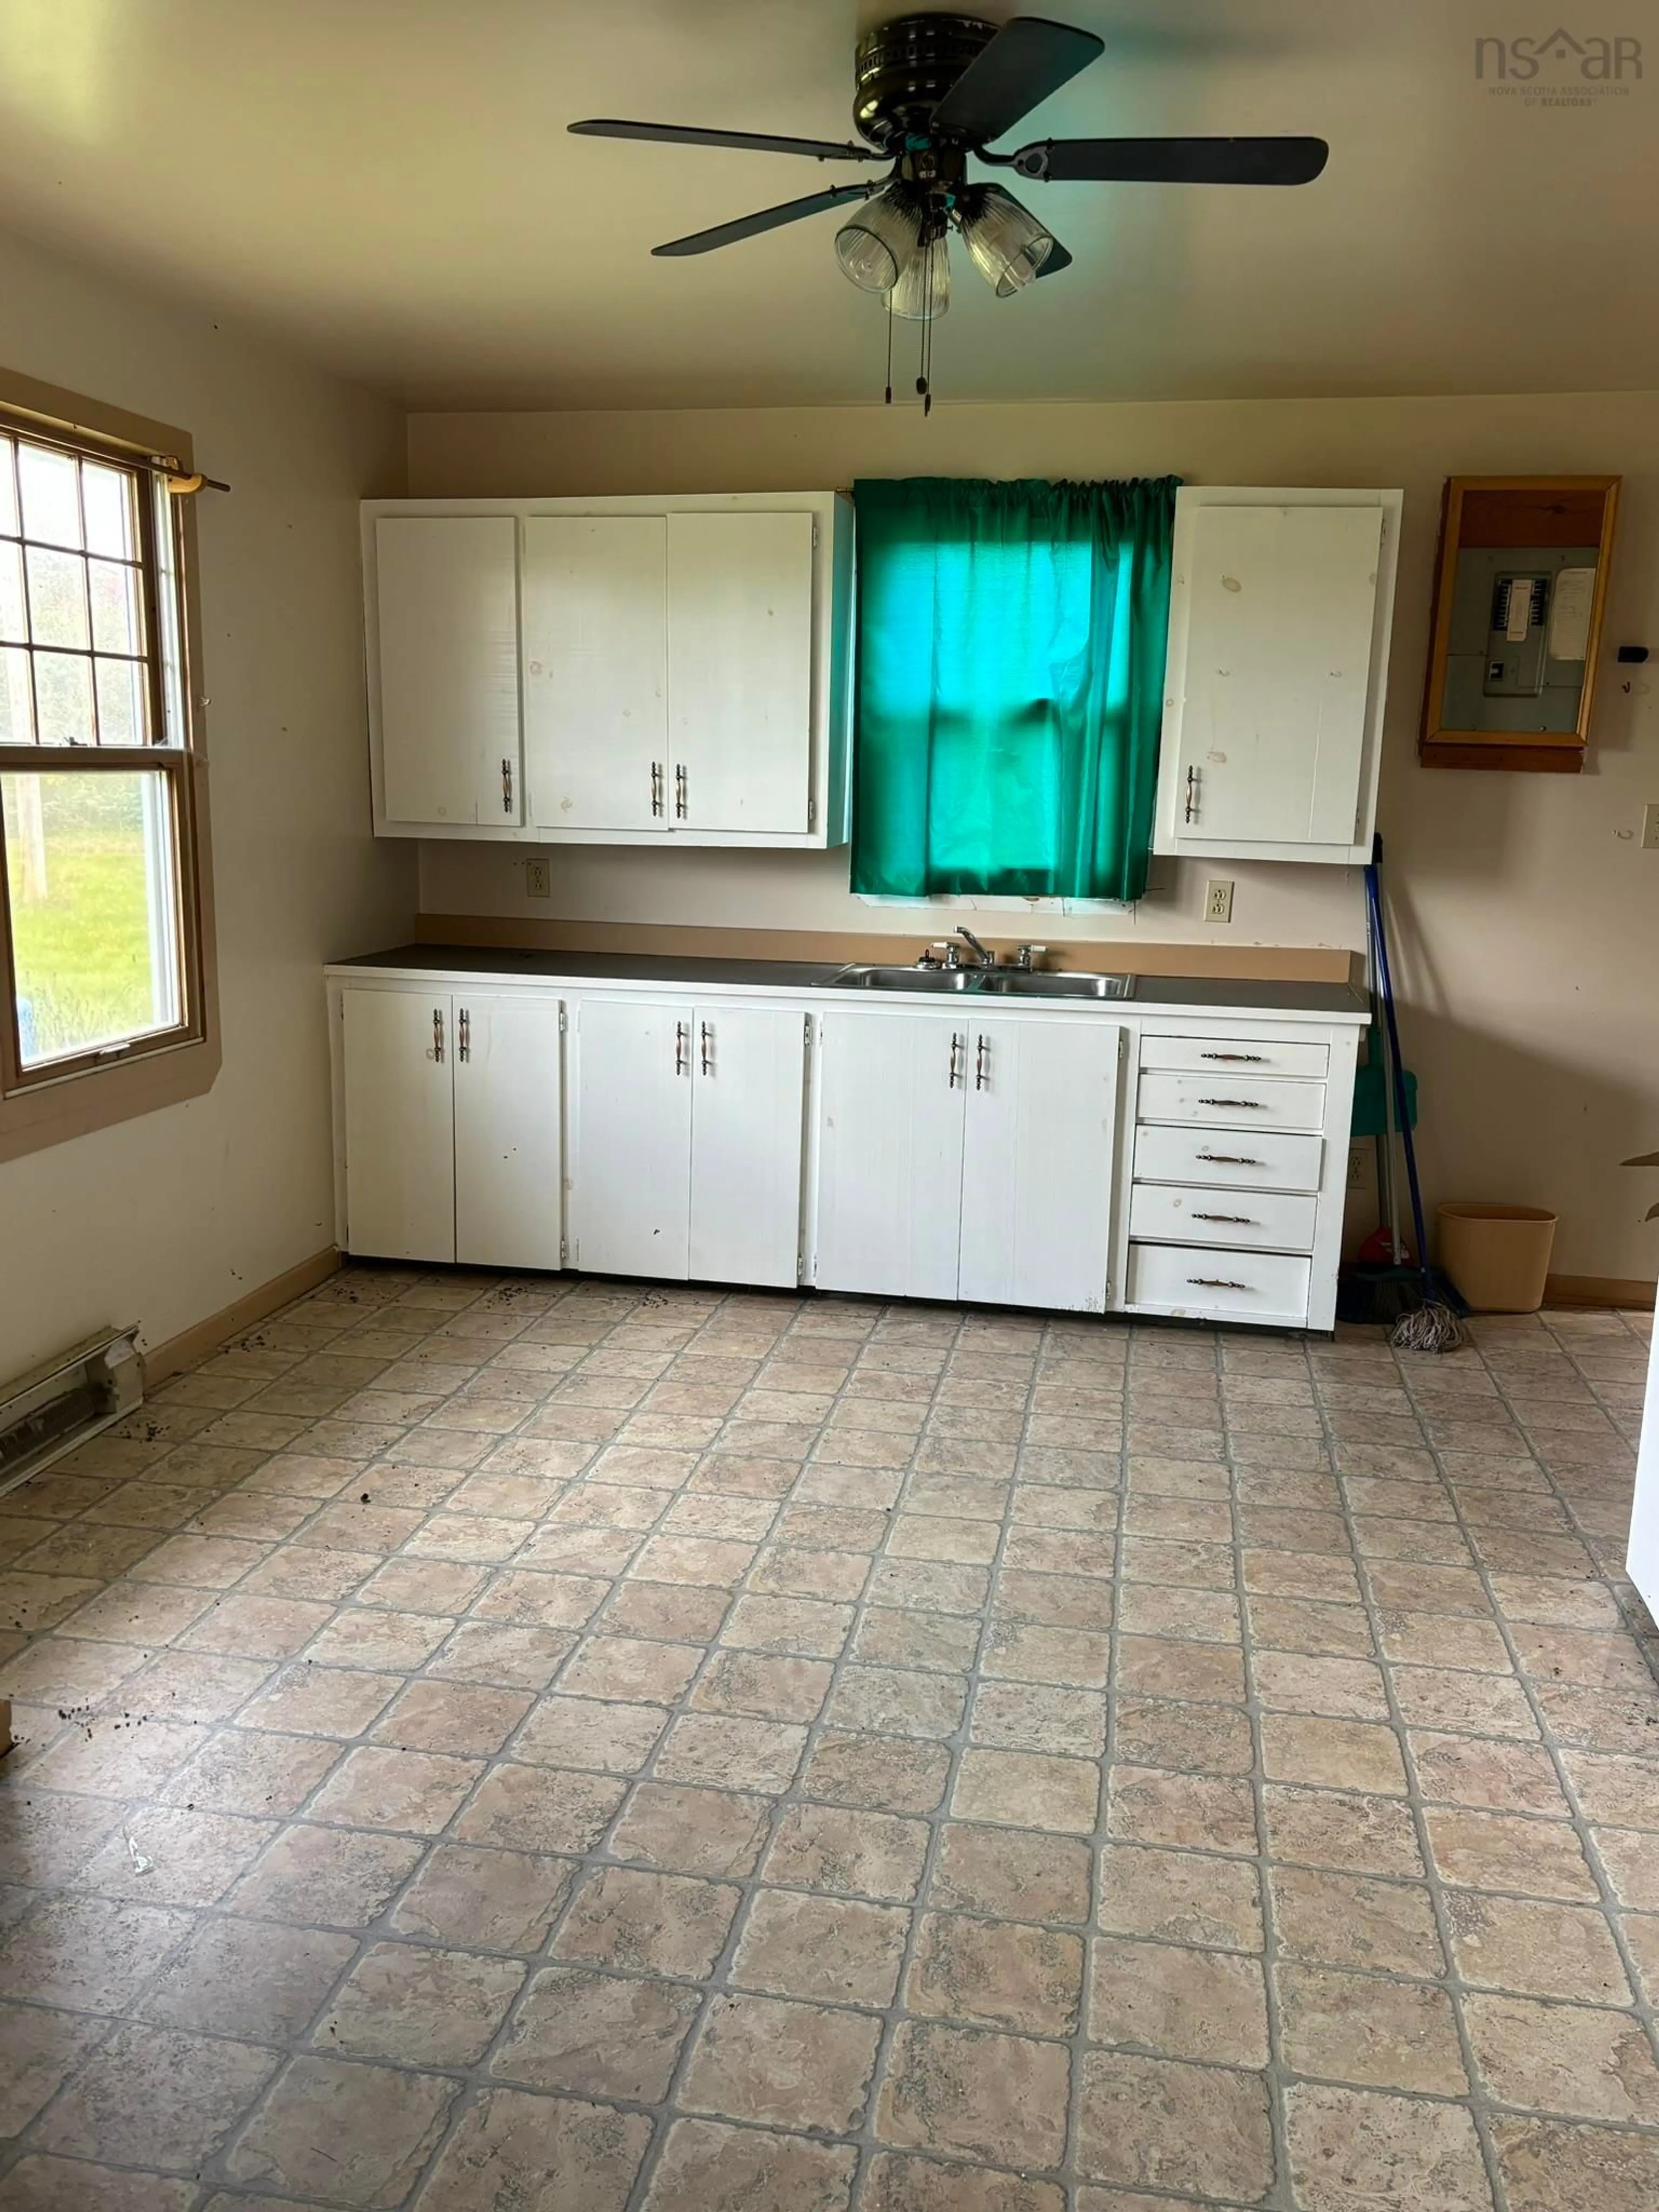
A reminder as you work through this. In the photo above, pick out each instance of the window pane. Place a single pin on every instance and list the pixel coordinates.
(57, 598)
(123, 703)
(94, 909)
(113, 591)
(106, 495)
(8, 489)
(13, 626)
(62, 699)
(51, 501)
(16, 704)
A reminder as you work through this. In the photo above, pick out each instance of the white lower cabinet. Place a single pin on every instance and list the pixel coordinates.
(508, 1170)
(399, 1113)
(451, 1109)
(1037, 1165)
(889, 1124)
(686, 1139)
(964, 1157)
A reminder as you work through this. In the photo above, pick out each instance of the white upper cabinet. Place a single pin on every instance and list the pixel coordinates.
(443, 681)
(740, 670)
(1279, 617)
(685, 668)
(596, 676)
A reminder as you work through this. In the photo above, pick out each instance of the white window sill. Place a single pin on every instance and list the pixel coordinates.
(965, 902)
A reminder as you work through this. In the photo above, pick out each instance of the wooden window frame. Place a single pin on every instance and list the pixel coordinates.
(57, 1100)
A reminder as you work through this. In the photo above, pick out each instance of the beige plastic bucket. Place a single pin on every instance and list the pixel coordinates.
(1497, 1255)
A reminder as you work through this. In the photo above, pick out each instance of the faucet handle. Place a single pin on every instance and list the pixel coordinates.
(1029, 955)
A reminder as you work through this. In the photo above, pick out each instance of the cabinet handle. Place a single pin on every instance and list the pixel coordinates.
(1236, 1220)
(1253, 1059)
(656, 787)
(681, 809)
(706, 1043)
(1229, 1160)
(1215, 1283)
(1192, 794)
(956, 1058)
(682, 1048)
(507, 786)
(982, 1063)
(464, 1037)
(1255, 1105)
(437, 1032)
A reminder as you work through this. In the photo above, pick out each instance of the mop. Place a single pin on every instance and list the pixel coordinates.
(1433, 1324)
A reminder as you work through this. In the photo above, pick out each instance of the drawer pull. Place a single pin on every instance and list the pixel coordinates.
(1228, 1159)
(1255, 1059)
(1256, 1105)
(1215, 1283)
(1234, 1221)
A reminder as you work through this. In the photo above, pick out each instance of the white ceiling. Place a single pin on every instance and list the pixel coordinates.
(390, 183)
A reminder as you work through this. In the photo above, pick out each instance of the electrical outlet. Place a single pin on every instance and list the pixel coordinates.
(1356, 1167)
(538, 879)
(1218, 900)
(1651, 826)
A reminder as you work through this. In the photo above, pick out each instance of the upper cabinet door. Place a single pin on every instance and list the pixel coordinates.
(399, 1124)
(509, 1165)
(631, 1136)
(1037, 1171)
(595, 677)
(740, 671)
(746, 1142)
(444, 670)
(891, 1091)
(1279, 631)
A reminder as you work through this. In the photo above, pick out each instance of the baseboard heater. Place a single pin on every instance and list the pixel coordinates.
(61, 1403)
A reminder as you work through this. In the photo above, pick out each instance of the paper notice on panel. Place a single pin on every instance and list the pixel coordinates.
(1569, 614)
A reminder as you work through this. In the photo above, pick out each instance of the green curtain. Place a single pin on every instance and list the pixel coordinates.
(1009, 687)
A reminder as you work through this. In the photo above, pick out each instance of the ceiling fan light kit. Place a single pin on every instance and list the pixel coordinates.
(930, 94)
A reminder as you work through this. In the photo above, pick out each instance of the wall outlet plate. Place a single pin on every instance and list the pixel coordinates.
(1218, 899)
(1651, 826)
(1357, 1176)
(538, 879)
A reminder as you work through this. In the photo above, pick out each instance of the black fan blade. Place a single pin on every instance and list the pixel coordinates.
(686, 134)
(1027, 60)
(772, 218)
(1175, 160)
(1056, 260)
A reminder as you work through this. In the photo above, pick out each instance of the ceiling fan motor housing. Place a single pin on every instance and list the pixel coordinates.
(902, 70)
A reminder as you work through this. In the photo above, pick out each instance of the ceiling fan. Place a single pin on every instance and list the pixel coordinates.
(930, 93)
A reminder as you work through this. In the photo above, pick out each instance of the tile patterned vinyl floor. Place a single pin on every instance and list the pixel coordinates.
(553, 1745)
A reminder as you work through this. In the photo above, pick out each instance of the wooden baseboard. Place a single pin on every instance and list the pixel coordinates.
(193, 1344)
(1248, 963)
(1620, 1290)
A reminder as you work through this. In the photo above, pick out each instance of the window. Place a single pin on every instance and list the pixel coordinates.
(101, 922)
(1010, 692)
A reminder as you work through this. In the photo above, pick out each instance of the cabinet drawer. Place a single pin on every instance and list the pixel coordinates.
(1202, 1285)
(1232, 1102)
(1208, 1217)
(1267, 1161)
(1207, 1055)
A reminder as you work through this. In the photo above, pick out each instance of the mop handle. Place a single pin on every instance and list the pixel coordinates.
(1374, 896)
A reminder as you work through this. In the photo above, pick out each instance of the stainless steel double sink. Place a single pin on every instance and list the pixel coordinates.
(984, 982)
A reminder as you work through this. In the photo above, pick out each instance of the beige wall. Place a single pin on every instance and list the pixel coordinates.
(1528, 917)
(169, 1219)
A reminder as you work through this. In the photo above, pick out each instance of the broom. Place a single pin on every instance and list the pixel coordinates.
(1432, 1324)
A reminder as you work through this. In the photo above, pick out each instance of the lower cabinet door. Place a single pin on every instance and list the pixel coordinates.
(509, 1196)
(631, 1136)
(1036, 1184)
(398, 1060)
(890, 1089)
(748, 1094)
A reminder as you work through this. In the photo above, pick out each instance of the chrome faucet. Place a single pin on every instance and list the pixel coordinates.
(985, 959)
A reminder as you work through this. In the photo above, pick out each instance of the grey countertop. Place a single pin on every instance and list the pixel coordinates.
(1150, 993)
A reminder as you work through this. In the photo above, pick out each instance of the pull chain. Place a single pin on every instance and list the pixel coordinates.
(889, 400)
